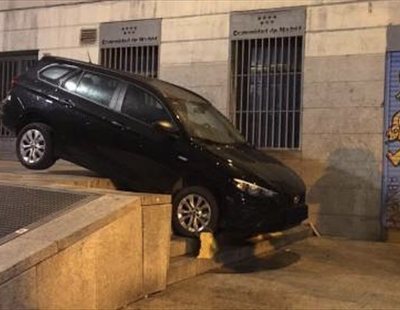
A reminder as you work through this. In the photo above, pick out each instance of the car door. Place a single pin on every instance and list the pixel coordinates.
(147, 152)
(57, 112)
(91, 96)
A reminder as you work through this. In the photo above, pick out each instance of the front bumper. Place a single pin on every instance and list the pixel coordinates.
(248, 214)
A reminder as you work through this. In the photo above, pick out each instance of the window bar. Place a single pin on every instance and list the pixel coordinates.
(152, 61)
(280, 106)
(288, 74)
(294, 92)
(102, 56)
(3, 79)
(241, 88)
(114, 65)
(114, 57)
(109, 53)
(274, 92)
(248, 87)
(142, 60)
(147, 60)
(136, 58)
(255, 112)
(235, 78)
(131, 63)
(156, 61)
(267, 97)
(260, 105)
(126, 59)
(120, 59)
(8, 75)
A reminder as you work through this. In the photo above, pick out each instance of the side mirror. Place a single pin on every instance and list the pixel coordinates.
(165, 126)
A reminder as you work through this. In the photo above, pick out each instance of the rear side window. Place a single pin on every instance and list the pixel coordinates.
(143, 106)
(97, 88)
(54, 73)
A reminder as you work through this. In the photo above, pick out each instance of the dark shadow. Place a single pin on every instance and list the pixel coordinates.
(278, 260)
(346, 198)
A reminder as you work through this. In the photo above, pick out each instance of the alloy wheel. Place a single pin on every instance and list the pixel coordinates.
(32, 146)
(194, 213)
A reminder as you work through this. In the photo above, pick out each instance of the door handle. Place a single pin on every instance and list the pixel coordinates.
(118, 124)
(68, 103)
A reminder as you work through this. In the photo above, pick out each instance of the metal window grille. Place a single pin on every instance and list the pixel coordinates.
(266, 90)
(141, 60)
(12, 65)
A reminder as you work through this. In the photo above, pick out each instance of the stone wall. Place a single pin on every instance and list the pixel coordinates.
(101, 255)
(343, 93)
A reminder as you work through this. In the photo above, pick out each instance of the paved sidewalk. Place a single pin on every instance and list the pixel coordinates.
(317, 273)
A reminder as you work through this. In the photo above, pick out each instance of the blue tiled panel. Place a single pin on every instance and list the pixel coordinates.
(391, 177)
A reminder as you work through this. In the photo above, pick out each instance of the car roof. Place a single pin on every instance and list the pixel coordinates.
(164, 88)
(96, 67)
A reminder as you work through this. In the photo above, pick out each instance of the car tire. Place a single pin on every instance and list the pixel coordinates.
(35, 146)
(194, 205)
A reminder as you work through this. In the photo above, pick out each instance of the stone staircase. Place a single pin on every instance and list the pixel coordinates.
(184, 264)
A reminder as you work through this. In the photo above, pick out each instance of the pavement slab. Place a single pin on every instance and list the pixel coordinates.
(317, 273)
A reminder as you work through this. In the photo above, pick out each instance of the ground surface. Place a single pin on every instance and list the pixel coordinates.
(316, 273)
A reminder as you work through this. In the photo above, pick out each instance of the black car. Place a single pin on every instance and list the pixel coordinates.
(152, 136)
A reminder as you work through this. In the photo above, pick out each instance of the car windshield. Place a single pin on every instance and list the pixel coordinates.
(200, 119)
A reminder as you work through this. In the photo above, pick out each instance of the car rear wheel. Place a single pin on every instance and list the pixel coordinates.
(35, 147)
(195, 210)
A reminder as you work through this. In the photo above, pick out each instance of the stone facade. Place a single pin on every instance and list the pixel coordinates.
(343, 88)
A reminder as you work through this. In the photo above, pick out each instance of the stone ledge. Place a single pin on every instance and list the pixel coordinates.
(106, 253)
(36, 245)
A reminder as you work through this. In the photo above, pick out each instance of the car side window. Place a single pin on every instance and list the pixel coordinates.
(97, 88)
(72, 83)
(141, 105)
(53, 74)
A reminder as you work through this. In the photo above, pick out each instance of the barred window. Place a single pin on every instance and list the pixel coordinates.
(266, 77)
(131, 46)
(141, 60)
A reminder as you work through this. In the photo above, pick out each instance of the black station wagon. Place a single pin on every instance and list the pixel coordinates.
(151, 136)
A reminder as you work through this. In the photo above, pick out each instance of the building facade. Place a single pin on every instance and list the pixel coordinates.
(311, 82)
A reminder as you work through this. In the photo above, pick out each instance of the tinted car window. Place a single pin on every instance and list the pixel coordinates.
(72, 83)
(141, 105)
(55, 73)
(94, 87)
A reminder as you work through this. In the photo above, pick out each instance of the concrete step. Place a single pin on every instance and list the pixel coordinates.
(185, 267)
(183, 246)
(181, 268)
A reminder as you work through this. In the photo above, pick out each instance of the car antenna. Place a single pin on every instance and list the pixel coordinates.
(88, 54)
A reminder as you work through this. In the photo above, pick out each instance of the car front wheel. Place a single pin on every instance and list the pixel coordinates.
(195, 210)
(35, 147)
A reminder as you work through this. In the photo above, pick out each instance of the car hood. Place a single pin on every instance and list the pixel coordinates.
(253, 165)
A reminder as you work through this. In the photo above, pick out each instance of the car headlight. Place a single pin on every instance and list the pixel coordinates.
(253, 189)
